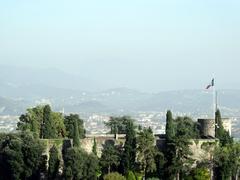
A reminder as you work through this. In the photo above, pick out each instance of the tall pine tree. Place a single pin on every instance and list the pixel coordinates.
(76, 140)
(129, 153)
(49, 129)
(53, 163)
(170, 132)
(221, 133)
(170, 151)
(94, 148)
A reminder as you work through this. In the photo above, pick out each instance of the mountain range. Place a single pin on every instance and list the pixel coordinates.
(21, 88)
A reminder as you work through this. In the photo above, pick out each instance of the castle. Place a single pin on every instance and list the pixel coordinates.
(202, 149)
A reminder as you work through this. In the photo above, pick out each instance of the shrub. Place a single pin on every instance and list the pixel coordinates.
(114, 176)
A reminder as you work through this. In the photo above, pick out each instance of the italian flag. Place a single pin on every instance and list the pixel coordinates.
(211, 84)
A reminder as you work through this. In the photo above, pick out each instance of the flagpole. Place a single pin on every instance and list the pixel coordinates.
(214, 97)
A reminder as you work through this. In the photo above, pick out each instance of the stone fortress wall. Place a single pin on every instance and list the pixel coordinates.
(201, 148)
(88, 142)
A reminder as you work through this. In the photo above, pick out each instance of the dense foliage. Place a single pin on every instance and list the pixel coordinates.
(110, 158)
(114, 176)
(76, 139)
(53, 162)
(47, 124)
(146, 152)
(227, 155)
(23, 155)
(128, 155)
(118, 125)
(221, 133)
(69, 122)
(20, 156)
(179, 132)
(79, 165)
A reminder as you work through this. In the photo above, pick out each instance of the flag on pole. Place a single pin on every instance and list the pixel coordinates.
(211, 84)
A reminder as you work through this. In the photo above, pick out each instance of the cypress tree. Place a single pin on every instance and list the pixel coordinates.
(53, 163)
(221, 133)
(219, 126)
(76, 142)
(170, 151)
(94, 148)
(170, 133)
(129, 153)
(49, 130)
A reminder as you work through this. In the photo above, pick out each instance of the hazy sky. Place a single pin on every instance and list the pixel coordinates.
(150, 45)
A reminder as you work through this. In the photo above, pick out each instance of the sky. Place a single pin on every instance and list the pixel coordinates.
(149, 45)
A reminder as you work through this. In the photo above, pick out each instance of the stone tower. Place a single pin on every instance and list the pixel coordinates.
(207, 128)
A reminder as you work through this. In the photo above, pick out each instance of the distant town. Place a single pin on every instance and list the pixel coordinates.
(94, 123)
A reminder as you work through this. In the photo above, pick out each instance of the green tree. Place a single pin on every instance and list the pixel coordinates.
(170, 129)
(235, 159)
(118, 125)
(222, 161)
(227, 161)
(160, 162)
(129, 154)
(20, 156)
(94, 148)
(221, 133)
(32, 150)
(11, 158)
(114, 176)
(146, 151)
(200, 174)
(69, 124)
(74, 162)
(76, 140)
(49, 128)
(178, 152)
(31, 121)
(182, 161)
(42, 122)
(79, 165)
(170, 151)
(114, 124)
(110, 158)
(130, 176)
(58, 122)
(91, 167)
(53, 163)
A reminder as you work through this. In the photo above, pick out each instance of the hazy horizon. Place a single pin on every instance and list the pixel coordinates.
(145, 45)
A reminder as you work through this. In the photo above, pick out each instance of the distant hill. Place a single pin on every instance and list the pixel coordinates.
(13, 107)
(124, 101)
(29, 82)
(24, 87)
